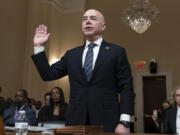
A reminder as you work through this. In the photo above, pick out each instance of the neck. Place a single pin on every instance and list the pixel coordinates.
(93, 38)
(19, 107)
(56, 103)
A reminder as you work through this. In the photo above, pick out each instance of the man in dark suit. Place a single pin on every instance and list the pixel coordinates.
(11, 113)
(171, 122)
(97, 72)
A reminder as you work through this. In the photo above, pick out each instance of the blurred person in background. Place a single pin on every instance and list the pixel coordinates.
(159, 116)
(56, 110)
(38, 106)
(47, 97)
(171, 120)
(11, 113)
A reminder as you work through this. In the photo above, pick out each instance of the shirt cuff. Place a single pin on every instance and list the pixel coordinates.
(38, 49)
(125, 117)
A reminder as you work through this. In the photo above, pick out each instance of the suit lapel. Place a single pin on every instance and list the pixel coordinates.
(174, 119)
(79, 58)
(101, 57)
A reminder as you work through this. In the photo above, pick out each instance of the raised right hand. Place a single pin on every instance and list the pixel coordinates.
(41, 36)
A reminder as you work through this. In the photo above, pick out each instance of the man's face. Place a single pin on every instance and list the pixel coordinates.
(55, 95)
(177, 97)
(93, 24)
(19, 96)
(165, 105)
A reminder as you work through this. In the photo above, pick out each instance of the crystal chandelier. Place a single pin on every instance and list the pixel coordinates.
(140, 15)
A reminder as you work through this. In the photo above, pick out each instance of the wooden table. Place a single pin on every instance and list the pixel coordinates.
(29, 133)
(81, 130)
(33, 133)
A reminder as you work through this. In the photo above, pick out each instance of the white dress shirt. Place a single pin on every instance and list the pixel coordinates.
(38, 49)
(178, 120)
(95, 51)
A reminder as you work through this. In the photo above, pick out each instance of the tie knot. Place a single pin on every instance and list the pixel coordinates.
(91, 45)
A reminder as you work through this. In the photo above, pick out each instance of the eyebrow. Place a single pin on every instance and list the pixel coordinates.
(84, 17)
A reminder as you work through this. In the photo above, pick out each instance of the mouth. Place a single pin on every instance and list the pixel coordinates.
(88, 28)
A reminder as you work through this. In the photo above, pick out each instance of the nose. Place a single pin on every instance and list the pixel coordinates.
(88, 21)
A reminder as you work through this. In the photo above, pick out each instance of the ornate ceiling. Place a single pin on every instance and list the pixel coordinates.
(67, 6)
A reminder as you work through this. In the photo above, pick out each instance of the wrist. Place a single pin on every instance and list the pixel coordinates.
(125, 123)
(38, 49)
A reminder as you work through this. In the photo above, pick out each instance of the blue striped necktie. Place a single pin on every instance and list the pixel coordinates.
(88, 64)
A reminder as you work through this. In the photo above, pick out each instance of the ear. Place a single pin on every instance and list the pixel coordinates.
(104, 27)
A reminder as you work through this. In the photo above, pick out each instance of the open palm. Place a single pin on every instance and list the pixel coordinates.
(41, 36)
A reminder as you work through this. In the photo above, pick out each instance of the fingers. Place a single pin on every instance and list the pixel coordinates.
(48, 34)
(41, 29)
(41, 36)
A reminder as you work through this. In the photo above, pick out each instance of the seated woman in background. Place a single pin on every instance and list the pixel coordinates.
(57, 108)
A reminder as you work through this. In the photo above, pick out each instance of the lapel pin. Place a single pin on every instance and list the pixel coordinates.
(107, 47)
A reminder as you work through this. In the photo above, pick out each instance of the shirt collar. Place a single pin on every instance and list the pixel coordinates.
(97, 42)
(21, 108)
(178, 109)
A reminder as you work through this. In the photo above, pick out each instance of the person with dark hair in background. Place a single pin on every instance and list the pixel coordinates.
(28, 102)
(40, 115)
(32, 102)
(11, 113)
(56, 110)
(158, 118)
(47, 97)
(98, 71)
(37, 108)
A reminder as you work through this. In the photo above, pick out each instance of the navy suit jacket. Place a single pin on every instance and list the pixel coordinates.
(97, 98)
(169, 122)
(30, 113)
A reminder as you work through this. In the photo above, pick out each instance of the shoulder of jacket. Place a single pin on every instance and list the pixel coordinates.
(113, 45)
(75, 48)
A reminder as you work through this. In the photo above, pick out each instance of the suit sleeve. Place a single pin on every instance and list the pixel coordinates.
(165, 121)
(125, 84)
(47, 72)
(165, 124)
(6, 115)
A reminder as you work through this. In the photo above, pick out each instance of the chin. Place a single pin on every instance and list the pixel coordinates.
(88, 35)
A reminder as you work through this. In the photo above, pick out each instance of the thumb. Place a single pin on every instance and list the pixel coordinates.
(48, 35)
